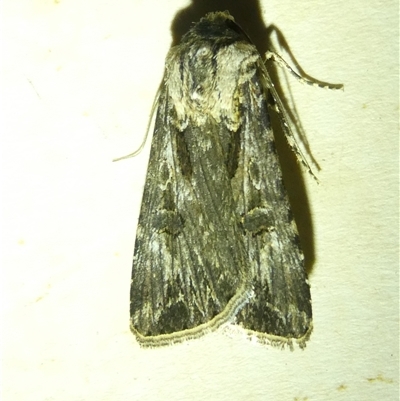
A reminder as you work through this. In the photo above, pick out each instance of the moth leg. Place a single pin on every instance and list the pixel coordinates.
(284, 115)
(276, 104)
(270, 55)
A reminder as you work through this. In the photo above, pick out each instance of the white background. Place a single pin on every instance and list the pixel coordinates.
(78, 82)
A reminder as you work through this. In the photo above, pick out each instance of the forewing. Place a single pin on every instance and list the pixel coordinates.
(281, 305)
(187, 278)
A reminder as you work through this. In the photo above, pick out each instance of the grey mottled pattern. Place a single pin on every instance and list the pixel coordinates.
(216, 242)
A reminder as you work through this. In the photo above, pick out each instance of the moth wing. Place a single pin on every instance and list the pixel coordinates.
(281, 306)
(187, 278)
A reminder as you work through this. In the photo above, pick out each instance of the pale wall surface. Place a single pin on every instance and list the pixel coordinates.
(78, 83)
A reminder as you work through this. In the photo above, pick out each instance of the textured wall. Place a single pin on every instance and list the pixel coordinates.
(79, 79)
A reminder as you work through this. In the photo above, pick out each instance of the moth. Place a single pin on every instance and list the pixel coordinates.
(216, 241)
